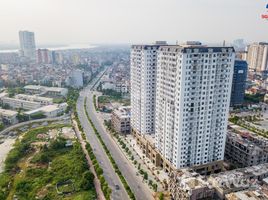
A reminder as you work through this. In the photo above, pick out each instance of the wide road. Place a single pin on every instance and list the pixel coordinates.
(108, 171)
(140, 189)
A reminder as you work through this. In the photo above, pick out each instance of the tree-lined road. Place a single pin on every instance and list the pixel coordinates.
(108, 171)
(140, 189)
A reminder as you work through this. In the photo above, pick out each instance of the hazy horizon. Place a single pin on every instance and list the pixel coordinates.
(128, 21)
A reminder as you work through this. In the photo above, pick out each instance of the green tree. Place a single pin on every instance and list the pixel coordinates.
(22, 117)
(5, 106)
(2, 126)
(37, 116)
(145, 175)
(44, 158)
(161, 196)
(87, 181)
(58, 144)
(139, 166)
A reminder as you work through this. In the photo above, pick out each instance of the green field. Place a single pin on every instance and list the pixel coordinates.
(35, 166)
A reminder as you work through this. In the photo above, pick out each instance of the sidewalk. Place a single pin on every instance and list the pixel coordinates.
(162, 176)
(97, 184)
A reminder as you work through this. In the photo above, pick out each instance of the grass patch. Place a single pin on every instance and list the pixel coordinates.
(59, 100)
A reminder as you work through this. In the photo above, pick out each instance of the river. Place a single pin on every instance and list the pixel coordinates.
(63, 47)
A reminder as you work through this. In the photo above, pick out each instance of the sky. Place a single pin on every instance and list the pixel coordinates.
(133, 21)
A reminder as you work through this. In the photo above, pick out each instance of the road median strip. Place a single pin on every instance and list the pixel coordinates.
(99, 171)
(115, 166)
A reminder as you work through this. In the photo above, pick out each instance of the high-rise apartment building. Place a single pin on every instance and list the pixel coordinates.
(181, 95)
(239, 45)
(257, 56)
(27, 44)
(239, 82)
(143, 86)
(192, 103)
(44, 56)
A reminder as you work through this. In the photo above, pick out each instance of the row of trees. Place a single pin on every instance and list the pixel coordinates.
(115, 166)
(243, 123)
(104, 185)
(127, 150)
(254, 98)
(72, 97)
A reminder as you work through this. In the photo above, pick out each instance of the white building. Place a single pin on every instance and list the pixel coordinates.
(51, 91)
(19, 103)
(122, 87)
(143, 84)
(105, 85)
(49, 110)
(121, 119)
(8, 116)
(192, 103)
(56, 91)
(27, 44)
(43, 100)
(257, 56)
(34, 89)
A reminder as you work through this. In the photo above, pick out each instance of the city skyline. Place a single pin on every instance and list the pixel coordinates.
(126, 21)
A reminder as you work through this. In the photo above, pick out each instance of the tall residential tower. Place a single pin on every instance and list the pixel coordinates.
(27, 44)
(181, 93)
(192, 103)
(257, 56)
(239, 82)
(143, 86)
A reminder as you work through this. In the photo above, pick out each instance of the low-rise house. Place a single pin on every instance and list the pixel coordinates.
(56, 91)
(121, 120)
(105, 85)
(186, 185)
(34, 89)
(50, 110)
(260, 193)
(52, 91)
(8, 116)
(244, 150)
(122, 87)
(19, 103)
(238, 179)
(43, 100)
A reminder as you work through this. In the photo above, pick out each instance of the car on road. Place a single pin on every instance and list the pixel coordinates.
(117, 187)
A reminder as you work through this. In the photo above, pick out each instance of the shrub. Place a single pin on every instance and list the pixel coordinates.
(87, 180)
(161, 196)
(99, 170)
